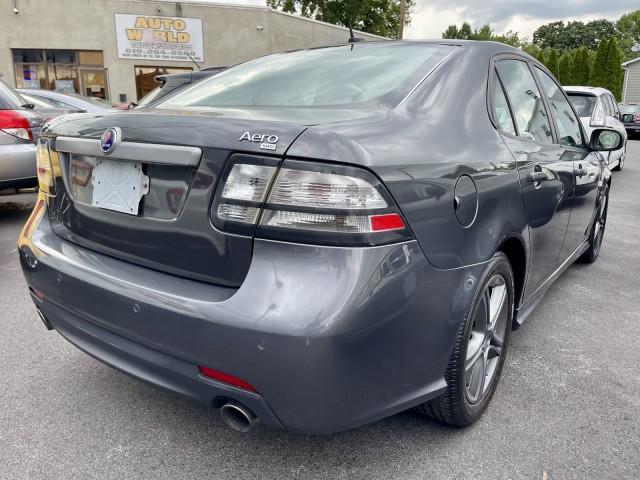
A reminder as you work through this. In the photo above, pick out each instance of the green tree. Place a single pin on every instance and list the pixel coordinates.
(535, 52)
(615, 74)
(573, 34)
(552, 62)
(581, 67)
(599, 74)
(628, 27)
(565, 70)
(451, 32)
(380, 17)
(485, 33)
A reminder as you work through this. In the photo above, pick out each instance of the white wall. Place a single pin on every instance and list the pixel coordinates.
(631, 89)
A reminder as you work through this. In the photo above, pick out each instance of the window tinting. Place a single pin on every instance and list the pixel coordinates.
(526, 103)
(567, 123)
(583, 103)
(317, 77)
(501, 109)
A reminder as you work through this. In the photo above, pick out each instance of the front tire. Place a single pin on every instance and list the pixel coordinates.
(597, 230)
(480, 349)
(620, 165)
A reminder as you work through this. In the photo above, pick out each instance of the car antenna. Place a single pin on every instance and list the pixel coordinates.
(194, 61)
(352, 37)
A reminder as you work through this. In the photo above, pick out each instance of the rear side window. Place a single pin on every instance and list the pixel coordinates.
(583, 103)
(526, 103)
(501, 110)
(567, 123)
(608, 106)
(614, 108)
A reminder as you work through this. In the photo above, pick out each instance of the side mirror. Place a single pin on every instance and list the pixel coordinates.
(605, 140)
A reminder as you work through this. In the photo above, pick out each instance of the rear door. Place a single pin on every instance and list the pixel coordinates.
(587, 165)
(546, 174)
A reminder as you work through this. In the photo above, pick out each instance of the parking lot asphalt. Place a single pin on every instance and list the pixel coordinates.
(567, 407)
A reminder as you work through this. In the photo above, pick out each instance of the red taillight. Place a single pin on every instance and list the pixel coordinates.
(16, 124)
(226, 378)
(389, 221)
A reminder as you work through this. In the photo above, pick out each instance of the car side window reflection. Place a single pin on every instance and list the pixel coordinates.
(501, 110)
(526, 103)
(566, 121)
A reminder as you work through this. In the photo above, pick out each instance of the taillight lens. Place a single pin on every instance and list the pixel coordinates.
(308, 202)
(47, 165)
(15, 124)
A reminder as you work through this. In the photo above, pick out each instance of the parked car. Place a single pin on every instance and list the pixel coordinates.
(597, 107)
(171, 83)
(322, 238)
(631, 118)
(70, 101)
(19, 127)
(47, 108)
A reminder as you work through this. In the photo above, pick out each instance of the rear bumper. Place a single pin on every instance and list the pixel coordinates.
(632, 128)
(332, 338)
(18, 165)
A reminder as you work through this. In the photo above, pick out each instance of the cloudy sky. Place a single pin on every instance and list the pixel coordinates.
(431, 17)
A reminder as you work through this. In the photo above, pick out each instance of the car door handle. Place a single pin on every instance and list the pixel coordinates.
(537, 175)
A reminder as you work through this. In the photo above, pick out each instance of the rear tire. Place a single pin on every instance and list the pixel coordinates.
(480, 349)
(597, 230)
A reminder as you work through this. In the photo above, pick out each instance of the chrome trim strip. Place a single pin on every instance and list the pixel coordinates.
(139, 152)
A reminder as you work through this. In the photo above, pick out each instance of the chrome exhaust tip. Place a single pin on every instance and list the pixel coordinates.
(237, 416)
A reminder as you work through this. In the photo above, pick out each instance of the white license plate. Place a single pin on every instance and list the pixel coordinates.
(118, 185)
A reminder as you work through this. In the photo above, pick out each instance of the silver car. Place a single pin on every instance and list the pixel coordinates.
(70, 101)
(597, 107)
(19, 128)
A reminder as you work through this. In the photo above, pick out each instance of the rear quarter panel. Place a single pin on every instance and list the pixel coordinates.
(421, 149)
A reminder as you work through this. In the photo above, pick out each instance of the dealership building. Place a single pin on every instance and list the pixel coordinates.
(113, 48)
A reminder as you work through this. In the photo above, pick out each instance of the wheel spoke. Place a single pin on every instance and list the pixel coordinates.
(497, 303)
(475, 377)
(486, 339)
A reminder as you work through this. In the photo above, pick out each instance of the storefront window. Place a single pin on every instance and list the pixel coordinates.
(63, 78)
(65, 71)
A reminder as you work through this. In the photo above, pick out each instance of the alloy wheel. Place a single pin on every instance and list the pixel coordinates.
(598, 232)
(486, 340)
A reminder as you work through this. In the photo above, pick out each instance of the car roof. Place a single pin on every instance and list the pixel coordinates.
(583, 89)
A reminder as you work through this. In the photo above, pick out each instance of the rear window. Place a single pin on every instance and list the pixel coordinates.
(343, 75)
(9, 98)
(583, 103)
(629, 108)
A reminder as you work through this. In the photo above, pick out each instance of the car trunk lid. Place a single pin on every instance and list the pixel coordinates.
(180, 156)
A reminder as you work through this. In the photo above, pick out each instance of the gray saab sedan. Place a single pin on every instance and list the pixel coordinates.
(322, 238)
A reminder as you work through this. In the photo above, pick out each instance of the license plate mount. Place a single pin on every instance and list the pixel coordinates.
(118, 185)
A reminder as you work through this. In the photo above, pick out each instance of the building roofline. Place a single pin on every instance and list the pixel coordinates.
(264, 8)
(630, 62)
